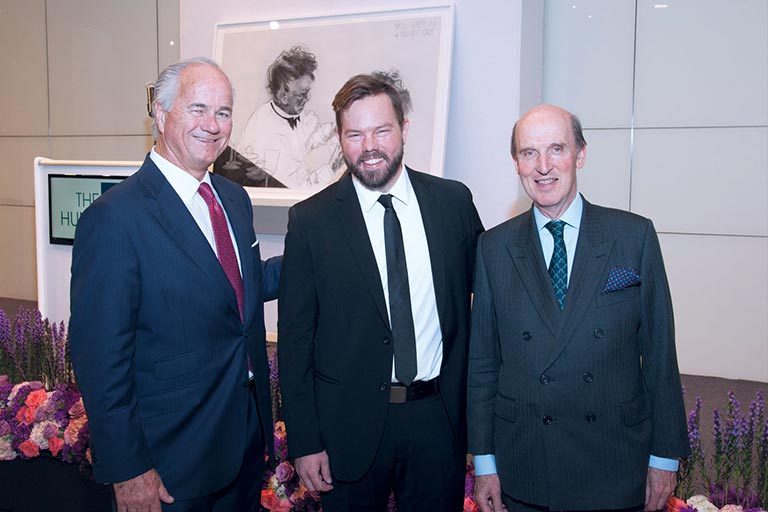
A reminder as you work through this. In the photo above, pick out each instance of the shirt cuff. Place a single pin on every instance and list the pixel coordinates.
(485, 465)
(663, 464)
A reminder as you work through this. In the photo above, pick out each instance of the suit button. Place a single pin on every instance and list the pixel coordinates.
(387, 341)
(547, 420)
(591, 418)
(544, 379)
(598, 333)
(383, 386)
(588, 377)
(527, 335)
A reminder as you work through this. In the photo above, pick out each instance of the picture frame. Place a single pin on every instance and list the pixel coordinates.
(280, 166)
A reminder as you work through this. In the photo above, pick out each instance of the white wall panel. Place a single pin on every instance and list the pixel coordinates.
(101, 148)
(705, 180)
(24, 84)
(17, 169)
(702, 63)
(17, 257)
(101, 55)
(720, 293)
(604, 179)
(588, 55)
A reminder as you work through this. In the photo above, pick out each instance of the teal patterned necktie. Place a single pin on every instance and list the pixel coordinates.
(558, 265)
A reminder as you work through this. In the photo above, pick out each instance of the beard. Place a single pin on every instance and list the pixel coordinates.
(376, 180)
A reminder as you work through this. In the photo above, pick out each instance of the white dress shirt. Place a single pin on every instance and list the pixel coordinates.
(429, 338)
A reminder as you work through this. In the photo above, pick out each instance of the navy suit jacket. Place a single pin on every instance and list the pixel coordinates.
(158, 346)
(573, 403)
(333, 325)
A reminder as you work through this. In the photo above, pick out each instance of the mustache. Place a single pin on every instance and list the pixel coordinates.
(372, 154)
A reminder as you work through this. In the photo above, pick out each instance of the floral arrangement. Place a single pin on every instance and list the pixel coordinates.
(44, 412)
(33, 419)
(735, 471)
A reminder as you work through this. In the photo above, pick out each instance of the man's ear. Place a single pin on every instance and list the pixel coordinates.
(159, 116)
(406, 124)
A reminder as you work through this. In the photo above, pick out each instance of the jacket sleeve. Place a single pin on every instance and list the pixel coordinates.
(296, 326)
(104, 308)
(659, 358)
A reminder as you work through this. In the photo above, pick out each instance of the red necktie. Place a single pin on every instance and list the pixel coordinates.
(224, 248)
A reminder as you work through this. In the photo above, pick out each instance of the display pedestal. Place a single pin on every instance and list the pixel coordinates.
(44, 483)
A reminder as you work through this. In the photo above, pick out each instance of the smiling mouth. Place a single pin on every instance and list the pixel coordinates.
(205, 140)
(547, 181)
(371, 159)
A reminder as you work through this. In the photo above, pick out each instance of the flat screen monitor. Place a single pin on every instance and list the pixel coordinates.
(68, 196)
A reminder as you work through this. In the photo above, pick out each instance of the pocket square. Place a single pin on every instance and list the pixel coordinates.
(620, 278)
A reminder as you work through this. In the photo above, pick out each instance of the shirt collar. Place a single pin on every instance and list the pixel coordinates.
(572, 215)
(402, 190)
(182, 182)
(282, 113)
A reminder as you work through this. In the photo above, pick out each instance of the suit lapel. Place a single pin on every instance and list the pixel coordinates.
(526, 253)
(592, 252)
(174, 217)
(353, 225)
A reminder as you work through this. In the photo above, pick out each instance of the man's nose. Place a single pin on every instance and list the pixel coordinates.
(543, 163)
(369, 142)
(210, 124)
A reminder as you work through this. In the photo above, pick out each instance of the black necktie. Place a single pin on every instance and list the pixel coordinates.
(400, 313)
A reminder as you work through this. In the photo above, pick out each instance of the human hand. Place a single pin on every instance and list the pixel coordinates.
(488, 493)
(659, 486)
(314, 471)
(142, 493)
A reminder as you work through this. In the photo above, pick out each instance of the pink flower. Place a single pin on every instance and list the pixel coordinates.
(72, 431)
(26, 415)
(5, 428)
(77, 409)
(36, 398)
(270, 501)
(4, 380)
(29, 448)
(284, 472)
(732, 508)
(55, 444)
(675, 504)
(470, 505)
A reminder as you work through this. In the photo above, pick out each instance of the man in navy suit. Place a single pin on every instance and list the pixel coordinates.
(359, 423)
(573, 378)
(167, 325)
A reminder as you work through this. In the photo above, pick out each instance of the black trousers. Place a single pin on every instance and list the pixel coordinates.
(514, 505)
(419, 458)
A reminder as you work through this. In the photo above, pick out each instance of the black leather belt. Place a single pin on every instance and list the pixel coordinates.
(400, 393)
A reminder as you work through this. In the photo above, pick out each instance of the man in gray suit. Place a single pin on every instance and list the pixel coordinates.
(574, 392)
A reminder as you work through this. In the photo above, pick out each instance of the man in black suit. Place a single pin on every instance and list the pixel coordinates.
(167, 316)
(573, 379)
(360, 424)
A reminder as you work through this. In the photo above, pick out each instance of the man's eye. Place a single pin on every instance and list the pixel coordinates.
(224, 115)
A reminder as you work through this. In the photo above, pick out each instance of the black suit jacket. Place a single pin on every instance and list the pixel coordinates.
(573, 403)
(334, 351)
(158, 346)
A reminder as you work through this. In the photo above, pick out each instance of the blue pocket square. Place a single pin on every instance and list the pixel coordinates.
(620, 278)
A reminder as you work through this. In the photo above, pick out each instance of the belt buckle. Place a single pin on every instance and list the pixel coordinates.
(397, 394)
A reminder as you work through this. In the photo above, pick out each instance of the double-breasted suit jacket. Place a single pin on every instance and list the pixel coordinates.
(158, 345)
(335, 352)
(573, 403)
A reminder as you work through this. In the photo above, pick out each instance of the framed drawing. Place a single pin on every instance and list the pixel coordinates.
(285, 73)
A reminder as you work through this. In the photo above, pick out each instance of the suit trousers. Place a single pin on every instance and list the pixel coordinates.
(514, 505)
(243, 494)
(419, 458)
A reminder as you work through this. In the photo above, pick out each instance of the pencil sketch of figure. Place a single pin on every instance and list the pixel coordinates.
(280, 137)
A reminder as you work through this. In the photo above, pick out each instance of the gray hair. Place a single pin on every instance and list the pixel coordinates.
(166, 88)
